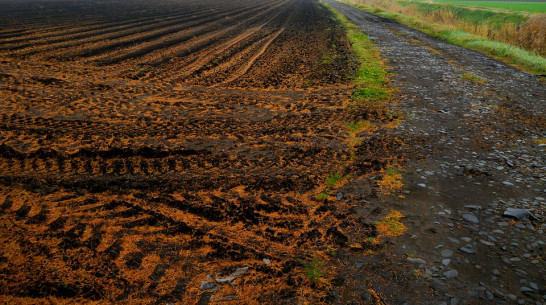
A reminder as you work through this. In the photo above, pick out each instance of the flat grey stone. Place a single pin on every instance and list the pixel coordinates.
(470, 218)
(516, 213)
(453, 240)
(487, 243)
(233, 276)
(467, 249)
(526, 289)
(498, 294)
(511, 297)
(523, 272)
(451, 274)
(416, 261)
(446, 262)
(437, 285)
(472, 293)
(447, 253)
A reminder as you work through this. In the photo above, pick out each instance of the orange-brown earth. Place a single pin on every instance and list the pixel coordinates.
(146, 147)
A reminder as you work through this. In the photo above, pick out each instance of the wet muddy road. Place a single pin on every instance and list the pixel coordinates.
(476, 129)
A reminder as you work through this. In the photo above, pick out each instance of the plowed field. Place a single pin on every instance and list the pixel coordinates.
(148, 146)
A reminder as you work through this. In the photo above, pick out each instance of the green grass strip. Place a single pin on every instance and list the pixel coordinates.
(495, 19)
(510, 54)
(532, 7)
(370, 77)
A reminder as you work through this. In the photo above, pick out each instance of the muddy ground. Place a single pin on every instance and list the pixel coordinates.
(172, 152)
(148, 151)
(475, 128)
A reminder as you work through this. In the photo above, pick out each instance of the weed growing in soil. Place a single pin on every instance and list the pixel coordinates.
(355, 126)
(322, 195)
(474, 79)
(315, 271)
(333, 179)
(390, 225)
(391, 181)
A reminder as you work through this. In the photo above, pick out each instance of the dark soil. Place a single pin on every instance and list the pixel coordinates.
(146, 148)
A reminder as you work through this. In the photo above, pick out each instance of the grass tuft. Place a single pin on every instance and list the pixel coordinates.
(473, 78)
(375, 93)
(355, 126)
(333, 179)
(390, 182)
(390, 225)
(314, 271)
(322, 195)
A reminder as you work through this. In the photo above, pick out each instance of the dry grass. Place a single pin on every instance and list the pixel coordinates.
(390, 225)
(529, 35)
(533, 34)
(390, 182)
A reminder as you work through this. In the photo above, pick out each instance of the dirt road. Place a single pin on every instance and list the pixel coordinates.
(475, 128)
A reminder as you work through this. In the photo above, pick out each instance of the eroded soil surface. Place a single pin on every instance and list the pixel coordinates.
(170, 151)
(475, 128)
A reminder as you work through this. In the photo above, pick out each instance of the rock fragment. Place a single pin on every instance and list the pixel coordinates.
(451, 274)
(516, 213)
(470, 218)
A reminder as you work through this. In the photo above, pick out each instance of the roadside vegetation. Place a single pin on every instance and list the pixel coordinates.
(516, 37)
(370, 96)
(532, 7)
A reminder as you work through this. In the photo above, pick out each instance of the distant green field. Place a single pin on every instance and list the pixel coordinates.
(533, 7)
